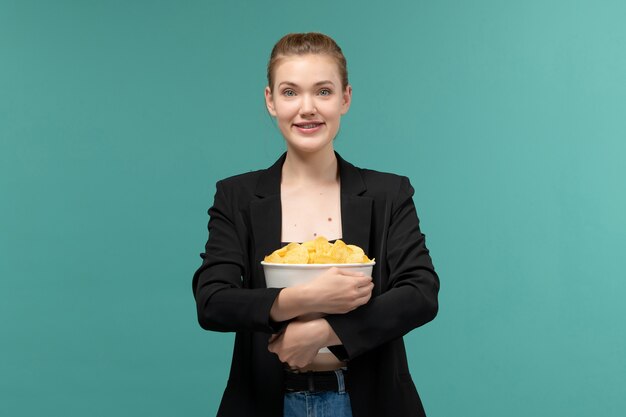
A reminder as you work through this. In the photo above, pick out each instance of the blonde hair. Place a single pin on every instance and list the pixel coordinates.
(307, 43)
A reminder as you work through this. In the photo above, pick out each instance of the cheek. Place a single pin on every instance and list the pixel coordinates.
(286, 110)
(331, 112)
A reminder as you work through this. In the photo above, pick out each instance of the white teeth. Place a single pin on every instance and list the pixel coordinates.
(310, 126)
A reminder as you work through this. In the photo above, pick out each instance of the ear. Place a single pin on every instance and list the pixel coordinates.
(269, 101)
(347, 99)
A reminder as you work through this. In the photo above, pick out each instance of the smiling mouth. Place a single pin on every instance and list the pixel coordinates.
(307, 125)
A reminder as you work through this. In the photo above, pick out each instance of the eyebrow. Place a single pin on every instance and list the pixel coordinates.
(289, 83)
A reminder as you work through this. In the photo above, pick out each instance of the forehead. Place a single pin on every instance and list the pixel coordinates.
(307, 69)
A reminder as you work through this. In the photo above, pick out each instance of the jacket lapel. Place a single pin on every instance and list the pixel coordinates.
(356, 209)
(265, 212)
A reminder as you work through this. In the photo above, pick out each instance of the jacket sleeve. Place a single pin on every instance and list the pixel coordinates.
(409, 299)
(222, 302)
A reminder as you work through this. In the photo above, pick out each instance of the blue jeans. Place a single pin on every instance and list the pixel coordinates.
(319, 404)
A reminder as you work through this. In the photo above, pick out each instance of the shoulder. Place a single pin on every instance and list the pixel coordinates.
(237, 191)
(392, 191)
(385, 183)
(380, 179)
(241, 182)
(262, 182)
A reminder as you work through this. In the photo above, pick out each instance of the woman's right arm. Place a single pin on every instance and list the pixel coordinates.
(221, 301)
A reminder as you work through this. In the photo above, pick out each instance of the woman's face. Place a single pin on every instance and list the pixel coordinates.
(308, 101)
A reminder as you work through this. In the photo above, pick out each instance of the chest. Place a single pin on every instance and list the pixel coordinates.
(310, 212)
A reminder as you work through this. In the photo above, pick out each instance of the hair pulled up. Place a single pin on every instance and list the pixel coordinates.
(307, 43)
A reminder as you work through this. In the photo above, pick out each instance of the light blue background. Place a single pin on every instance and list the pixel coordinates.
(117, 118)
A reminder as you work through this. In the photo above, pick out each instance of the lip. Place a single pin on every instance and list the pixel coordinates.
(310, 126)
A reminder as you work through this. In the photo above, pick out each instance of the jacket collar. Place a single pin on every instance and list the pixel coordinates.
(350, 178)
(265, 212)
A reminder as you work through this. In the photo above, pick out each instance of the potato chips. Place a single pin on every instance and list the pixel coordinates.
(318, 251)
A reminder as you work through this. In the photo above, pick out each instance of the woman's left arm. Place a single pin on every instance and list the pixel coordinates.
(410, 297)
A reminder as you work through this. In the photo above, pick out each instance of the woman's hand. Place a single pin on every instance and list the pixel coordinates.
(338, 291)
(300, 342)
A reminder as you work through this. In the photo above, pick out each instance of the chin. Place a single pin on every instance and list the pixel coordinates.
(309, 148)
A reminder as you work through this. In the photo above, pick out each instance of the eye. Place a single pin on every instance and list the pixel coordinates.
(325, 92)
(289, 92)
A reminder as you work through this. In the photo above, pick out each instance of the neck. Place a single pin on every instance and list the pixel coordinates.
(310, 168)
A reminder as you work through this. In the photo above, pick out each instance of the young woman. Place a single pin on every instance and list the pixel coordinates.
(277, 369)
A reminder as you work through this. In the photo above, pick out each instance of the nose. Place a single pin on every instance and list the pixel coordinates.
(307, 107)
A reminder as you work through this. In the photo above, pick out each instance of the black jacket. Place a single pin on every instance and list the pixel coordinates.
(377, 214)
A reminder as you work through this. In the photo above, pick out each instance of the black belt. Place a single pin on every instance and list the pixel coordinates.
(312, 381)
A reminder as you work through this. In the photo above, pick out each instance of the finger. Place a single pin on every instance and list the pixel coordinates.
(274, 342)
(300, 362)
(365, 289)
(350, 273)
(363, 281)
(363, 300)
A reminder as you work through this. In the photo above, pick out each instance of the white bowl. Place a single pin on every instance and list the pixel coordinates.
(288, 275)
